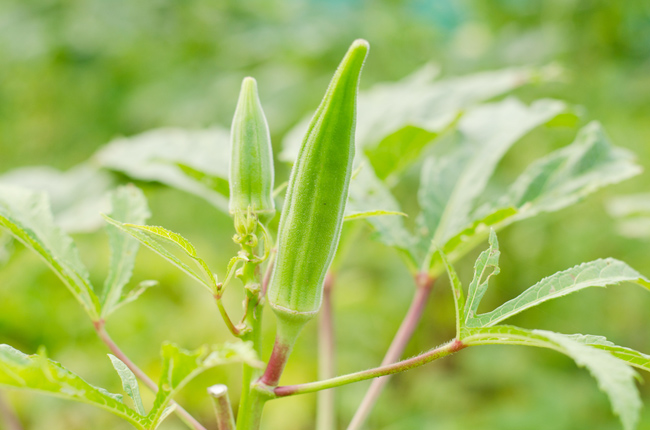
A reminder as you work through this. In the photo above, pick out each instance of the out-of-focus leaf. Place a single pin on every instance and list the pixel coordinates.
(350, 216)
(129, 205)
(129, 383)
(598, 273)
(38, 373)
(632, 213)
(26, 215)
(180, 366)
(6, 247)
(613, 375)
(396, 120)
(195, 161)
(76, 196)
(150, 235)
(485, 135)
(549, 184)
(369, 194)
(571, 173)
(486, 266)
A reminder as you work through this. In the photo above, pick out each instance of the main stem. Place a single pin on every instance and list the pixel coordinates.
(424, 285)
(253, 321)
(112, 346)
(326, 412)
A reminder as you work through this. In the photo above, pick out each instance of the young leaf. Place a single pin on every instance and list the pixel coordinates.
(37, 373)
(457, 292)
(180, 366)
(178, 158)
(486, 266)
(144, 235)
(598, 273)
(614, 376)
(27, 216)
(129, 383)
(128, 205)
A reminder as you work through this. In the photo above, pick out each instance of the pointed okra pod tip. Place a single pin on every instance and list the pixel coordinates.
(251, 161)
(312, 214)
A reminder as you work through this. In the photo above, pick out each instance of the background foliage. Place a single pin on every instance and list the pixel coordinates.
(77, 74)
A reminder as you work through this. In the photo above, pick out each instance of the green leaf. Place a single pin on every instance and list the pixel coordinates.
(27, 216)
(77, 196)
(613, 375)
(129, 383)
(128, 205)
(397, 120)
(194, 161)
(571, 173)
(455, 181)
(369, 194)
(6, 247)
(632, 213)
(598, 273)
(148, 235)
(38, 373)
(486, 266)
(180, 366)
(351, 216)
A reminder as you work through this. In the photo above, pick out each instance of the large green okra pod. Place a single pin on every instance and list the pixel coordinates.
(251, 161)
(312, 215)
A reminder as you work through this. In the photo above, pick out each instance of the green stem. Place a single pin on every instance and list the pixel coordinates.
(222, 408)
(401, 366)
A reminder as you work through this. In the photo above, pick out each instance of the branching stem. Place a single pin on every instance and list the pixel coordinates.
(401, 366)
(112, 346)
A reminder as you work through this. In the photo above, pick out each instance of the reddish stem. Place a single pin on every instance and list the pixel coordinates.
(277, 361)
(326, 413)
(424, 285)
(8, 415)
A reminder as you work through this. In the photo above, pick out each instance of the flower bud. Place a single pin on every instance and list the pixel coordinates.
(251, 160)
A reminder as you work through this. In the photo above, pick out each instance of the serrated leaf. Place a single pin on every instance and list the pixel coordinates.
(76, 196)
(37, 373)
(129, 205)
(486, 266)
(26, 215)
(178, 158)
(129, 383)
(613, 375)
(180, 366)
(486, 133)
(598, 273)
(147, 237)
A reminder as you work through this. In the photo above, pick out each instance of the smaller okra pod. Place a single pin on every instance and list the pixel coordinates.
(251, 160)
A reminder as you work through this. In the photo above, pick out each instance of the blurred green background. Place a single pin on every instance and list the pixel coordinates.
(74, 74)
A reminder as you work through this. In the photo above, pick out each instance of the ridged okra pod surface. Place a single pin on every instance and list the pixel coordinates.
(251, 161)
(312, 215)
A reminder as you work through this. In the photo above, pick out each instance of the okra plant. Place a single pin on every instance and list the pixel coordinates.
(345, 159)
